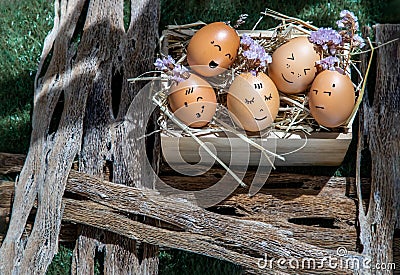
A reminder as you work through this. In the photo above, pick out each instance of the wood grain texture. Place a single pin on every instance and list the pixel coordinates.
(323, 150)
(310, 211)
(380, 134)
(82, 74)
(51, 152)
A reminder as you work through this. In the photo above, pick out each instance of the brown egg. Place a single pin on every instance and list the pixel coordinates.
(293, 65)
(213, 49)
(253, 101)
(331, 98)
(193, 101)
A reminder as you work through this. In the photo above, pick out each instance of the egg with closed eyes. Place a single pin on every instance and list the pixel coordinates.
(293, 65)
(193, 101)
(213, 49)
(253, 101)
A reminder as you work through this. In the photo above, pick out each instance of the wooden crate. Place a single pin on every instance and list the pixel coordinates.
(318, 149)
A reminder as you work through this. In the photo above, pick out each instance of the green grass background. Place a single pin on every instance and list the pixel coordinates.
(24, 25)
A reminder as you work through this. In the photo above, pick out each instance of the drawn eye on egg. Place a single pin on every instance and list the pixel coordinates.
(268, 97)
(229, 56)
(189, 91)
(292, 57)
(216, 45)
(258, 86)
(251, 101)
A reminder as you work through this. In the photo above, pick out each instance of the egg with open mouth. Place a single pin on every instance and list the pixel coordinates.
(213, 49)
(193, 101)
(293, 65)
(253, 101)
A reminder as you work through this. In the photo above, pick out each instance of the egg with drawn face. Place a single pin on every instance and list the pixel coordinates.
(331, 98)
(193, 101)
(213, 49)
(293, 65)
(253, 101)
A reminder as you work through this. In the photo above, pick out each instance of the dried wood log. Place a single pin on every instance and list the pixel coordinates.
(312, 209)
(53, 146)
(82, 74)
(11, 163)
(94, 214)
(255, 237)
(380, 133)
(124, 54)
(68, 231)
(217, 245)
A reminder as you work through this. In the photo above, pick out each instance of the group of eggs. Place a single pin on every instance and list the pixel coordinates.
(253, 100)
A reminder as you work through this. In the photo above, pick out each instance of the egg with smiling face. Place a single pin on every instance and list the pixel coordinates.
(331, 98)
(213, 49)
(193, 101)
(253, 101)
(293, 65)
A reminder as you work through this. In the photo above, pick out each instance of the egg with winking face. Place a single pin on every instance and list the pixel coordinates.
(331, 98)
(293, 65)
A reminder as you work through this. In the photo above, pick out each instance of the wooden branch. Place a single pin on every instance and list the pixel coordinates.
(265, 223)
(94, 214)
(255, 237)
(11, 163)
(379, 132)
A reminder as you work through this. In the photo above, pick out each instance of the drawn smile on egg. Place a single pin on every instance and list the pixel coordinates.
(198, 115)
(260, 118)
(288, 81)
(213, 64)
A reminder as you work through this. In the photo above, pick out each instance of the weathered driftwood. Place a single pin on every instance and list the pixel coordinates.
(68, 231)
(380, 134)
(290, 213)
(81, 98)
(123, 54)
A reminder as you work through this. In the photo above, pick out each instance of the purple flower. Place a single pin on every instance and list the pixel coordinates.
(159, 64)
(175, 72)
(327, 38)
(340, 23)
(164, 63)
(349, 15)
(358, 41)
(348, 20)
(257, 57)
(179, 71)
(257, 52)
(246, 40)
(328, 62)
(241, 20)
